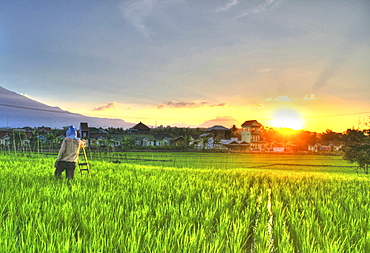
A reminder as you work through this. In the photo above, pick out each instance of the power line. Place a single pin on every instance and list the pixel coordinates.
(336, 115)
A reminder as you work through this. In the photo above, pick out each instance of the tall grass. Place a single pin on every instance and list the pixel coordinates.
(127, 207)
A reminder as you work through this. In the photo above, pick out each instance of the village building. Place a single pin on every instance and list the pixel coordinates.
(218, 132)
(235, 145)
(326, 146)
(139, 128)
(251, 133)
(97, 137)
(5, 137)
(187, 141)
(139, 135)
(219, 137)
(251, 138)
(84, 130)
(288, 146)
(44, 129)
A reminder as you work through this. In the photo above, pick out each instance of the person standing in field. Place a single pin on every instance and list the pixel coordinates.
(68, 154)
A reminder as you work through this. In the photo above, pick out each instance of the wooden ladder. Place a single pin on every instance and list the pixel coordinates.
(84, 163)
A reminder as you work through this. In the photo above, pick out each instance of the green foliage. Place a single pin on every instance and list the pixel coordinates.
(329, 135)
(127, 142)
(177, 131)
(357, 149)
(358, 153)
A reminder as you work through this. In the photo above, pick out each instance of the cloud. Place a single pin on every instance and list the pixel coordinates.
(191, 104)
(283, 99)
(138, 12)
(309, 96)
(25, 95)
(286, 98)
(228, 5)
(219, 105)
(261, 9)
(109, 106)
(265, 70)
(260, 106)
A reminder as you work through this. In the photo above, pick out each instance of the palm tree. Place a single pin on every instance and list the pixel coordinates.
(127, 142)
(216, 142)
(187, 140)
(205, 141)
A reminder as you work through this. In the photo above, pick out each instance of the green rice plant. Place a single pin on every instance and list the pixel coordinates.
(144, 207)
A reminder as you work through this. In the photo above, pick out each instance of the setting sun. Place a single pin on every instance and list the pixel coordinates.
(287, 118)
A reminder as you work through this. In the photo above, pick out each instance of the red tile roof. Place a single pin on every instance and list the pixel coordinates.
(250, 123)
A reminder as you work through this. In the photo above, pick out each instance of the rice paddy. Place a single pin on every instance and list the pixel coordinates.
(185, 202)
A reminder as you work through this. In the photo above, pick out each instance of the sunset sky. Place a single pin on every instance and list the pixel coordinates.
(285, 63)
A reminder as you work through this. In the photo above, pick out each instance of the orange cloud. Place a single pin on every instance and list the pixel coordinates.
(191, 104)
(310, 96)
(109, 106)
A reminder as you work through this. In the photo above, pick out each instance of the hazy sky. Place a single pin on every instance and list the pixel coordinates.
(181, 61)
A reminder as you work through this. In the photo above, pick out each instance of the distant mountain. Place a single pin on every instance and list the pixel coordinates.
(226, 121)
(19, 111)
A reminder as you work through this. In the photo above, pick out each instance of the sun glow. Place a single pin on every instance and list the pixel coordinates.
(287, 119)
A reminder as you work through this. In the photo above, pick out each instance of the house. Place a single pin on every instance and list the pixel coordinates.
(291, 147)
(103, 138)
(180, 141)
(219, 137)
(5, 137)
(151, 139)
(205, 141)
(213, 137)
(139, 128)
(219, 132)
(275, 146)
(84, 130)
(21, 135)
(161, 140)
(97, 137)
(235, 145)
(326, 146)
(43, 133)
(44, 129)
(251, 133)
(288, 146)
(187, 141)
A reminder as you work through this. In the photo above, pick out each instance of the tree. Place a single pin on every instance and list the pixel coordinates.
(353, 136)
(235, 132)
(205, 142)
(127, 142)
(329, 135)
(304, 139)
(217, 143)
(357, 149)
(187, 141)
(270, 134)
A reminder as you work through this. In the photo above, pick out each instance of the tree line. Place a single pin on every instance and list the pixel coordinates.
(355, 142)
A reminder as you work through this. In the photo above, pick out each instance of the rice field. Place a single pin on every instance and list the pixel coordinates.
(185, 202)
